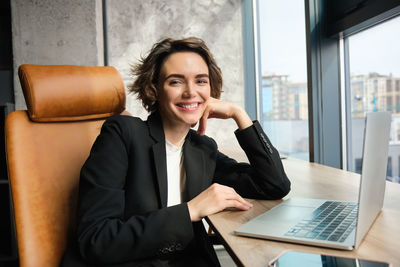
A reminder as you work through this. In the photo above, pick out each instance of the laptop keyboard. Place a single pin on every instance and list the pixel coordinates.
(332, 221)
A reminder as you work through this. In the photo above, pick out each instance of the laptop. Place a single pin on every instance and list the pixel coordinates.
(332, 223)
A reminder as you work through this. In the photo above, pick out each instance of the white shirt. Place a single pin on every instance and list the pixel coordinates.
(176, 174)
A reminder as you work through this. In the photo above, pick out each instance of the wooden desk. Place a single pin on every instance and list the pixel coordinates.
(312, 180)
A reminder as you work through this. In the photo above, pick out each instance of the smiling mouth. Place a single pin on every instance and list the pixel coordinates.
(192, 106)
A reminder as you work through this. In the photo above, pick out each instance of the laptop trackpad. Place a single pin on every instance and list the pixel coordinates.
(283, 217)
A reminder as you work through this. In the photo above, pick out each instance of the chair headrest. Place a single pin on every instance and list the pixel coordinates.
(71, 93)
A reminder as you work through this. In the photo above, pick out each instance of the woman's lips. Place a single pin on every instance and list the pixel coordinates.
(189, 106)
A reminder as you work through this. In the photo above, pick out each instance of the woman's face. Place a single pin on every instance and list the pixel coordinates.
(184, 89)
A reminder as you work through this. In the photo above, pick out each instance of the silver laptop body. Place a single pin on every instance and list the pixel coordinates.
(284, 221)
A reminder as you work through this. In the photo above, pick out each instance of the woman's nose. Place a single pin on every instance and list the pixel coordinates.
(189, 90)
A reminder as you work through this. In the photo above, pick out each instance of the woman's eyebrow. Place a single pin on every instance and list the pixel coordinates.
(181, 76)
(173, 75)
(204, 75)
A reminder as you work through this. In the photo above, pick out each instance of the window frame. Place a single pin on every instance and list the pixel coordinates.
(382, 18)
(250, 58)
(328, 77)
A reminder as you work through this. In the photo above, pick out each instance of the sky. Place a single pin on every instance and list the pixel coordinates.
(282, 38)
(283, 45)
(376, 49)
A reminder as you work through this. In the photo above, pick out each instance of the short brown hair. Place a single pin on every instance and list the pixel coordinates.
(147, 71)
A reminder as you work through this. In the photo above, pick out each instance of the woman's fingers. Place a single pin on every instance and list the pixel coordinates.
(241, 203)
(214, 199)
(238, 205)
(212, 110)
(203, 122)
(216, 108)
(228, 193)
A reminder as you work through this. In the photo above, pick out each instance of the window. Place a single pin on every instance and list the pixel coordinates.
(283, 93)
(389, 169)
(358, 165)
(374, 86)
(398, 180)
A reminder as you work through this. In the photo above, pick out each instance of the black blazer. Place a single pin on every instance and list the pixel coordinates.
(122, 215)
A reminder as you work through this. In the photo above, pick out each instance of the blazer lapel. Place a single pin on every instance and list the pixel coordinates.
(161, 171)
(159, 156)
(195, 167)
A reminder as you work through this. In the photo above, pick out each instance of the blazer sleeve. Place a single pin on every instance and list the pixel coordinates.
(104, 235)
(264, 177)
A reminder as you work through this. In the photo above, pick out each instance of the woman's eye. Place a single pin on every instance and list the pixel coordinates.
(173, 82)
(202, 81)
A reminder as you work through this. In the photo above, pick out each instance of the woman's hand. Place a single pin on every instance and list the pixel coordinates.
(214, 199)
(223, 110)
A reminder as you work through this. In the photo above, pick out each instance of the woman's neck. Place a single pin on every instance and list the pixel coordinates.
(175, 133)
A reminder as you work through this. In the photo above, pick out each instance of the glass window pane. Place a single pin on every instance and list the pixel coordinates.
(283, 93)
(374, 57)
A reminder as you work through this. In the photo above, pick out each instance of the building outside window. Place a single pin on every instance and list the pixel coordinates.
(283, 92)
(375, 86)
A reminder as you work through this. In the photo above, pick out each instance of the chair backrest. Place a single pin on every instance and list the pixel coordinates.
(46, 147)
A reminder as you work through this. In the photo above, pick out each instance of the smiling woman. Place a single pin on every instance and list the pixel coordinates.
(184, 90)
(147, 73)
(147, 184)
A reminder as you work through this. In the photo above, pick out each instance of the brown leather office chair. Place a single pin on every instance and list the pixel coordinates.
(46, 147)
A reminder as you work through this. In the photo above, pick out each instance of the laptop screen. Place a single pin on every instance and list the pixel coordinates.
(373, 173)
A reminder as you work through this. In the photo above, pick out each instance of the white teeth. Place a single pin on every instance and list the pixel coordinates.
(191, 106)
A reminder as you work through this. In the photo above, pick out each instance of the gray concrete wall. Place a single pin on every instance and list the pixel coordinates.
(55, 32)
(135, 25)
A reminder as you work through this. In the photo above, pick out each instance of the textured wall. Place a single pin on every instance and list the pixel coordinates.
(70, 32)
(55, 32)
(135, 25)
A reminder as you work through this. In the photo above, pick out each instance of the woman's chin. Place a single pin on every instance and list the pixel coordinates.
(191, 121)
